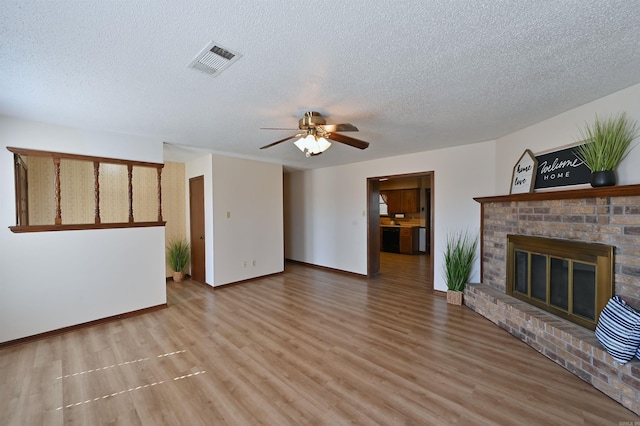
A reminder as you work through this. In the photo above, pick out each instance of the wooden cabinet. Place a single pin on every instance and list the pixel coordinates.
(410, 201)
(409, 240)
(402, 200)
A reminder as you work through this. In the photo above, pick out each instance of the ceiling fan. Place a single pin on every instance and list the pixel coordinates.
(316, 133)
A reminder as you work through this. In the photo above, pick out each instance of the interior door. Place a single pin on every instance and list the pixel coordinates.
(196, 215)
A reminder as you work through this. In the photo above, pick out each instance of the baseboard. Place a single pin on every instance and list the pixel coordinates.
(78, 326)
(248, 280)
(326, 268)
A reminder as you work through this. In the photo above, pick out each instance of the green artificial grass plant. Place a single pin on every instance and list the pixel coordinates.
(607, 142)
(459, 254)
(178, 254)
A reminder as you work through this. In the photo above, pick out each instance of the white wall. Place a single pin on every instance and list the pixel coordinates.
(251, 193)
(327, 223)
(562, 130)
(52, 280)
(249, 243)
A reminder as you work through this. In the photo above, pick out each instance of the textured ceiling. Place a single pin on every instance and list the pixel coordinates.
(411, 75)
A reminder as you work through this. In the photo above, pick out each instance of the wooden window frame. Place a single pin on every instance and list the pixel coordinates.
(58, 226)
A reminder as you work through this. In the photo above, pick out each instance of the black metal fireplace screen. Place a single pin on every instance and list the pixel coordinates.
(571, 279)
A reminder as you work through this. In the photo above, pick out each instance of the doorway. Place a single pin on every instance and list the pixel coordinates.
(426, 189)
(196, 217)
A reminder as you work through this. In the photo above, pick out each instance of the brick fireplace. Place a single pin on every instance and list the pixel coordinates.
(594, 215)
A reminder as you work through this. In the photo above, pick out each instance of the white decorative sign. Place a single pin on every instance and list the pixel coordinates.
(524, 173)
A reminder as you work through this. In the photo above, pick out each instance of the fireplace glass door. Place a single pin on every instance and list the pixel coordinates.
(584, 289)
(559, 284)
(565, 278)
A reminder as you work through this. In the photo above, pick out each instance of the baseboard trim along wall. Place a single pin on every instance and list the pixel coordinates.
(83, 325)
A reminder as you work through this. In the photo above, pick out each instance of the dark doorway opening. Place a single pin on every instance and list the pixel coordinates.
(424, 212)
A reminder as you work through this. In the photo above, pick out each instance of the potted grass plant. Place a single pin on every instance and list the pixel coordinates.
(607, 143)
(459, 255)
(178, 254)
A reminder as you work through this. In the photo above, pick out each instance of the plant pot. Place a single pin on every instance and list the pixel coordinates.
(178, 277)
(603, 178)
(454, 297)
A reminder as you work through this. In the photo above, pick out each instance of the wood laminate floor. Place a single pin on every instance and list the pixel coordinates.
(308, 346)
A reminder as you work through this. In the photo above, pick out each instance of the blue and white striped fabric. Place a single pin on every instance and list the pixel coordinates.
(618, 330)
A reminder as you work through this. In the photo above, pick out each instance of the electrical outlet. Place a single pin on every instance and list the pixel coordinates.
(244, 263)
(228, 215)
(253, 262)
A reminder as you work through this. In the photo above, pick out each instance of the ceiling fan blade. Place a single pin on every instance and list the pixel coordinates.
(356, 143)
(278, 128)
(344, 127)
(280, 141)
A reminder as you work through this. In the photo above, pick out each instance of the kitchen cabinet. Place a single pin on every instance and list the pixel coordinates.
(410, 201)
(409, 240)
(402, 200)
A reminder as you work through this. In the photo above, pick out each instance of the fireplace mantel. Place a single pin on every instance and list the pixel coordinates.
(605, 191)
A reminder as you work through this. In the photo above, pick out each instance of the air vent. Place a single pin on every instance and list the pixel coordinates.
(213, 59)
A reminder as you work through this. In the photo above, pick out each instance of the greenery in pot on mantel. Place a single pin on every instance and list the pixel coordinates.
(459, 255)
(607, 143)
(178, 254)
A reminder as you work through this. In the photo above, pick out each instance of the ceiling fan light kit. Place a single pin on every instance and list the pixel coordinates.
(312, 144)
(314, 139)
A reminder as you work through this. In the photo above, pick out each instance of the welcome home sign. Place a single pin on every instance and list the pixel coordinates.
(561, 168)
